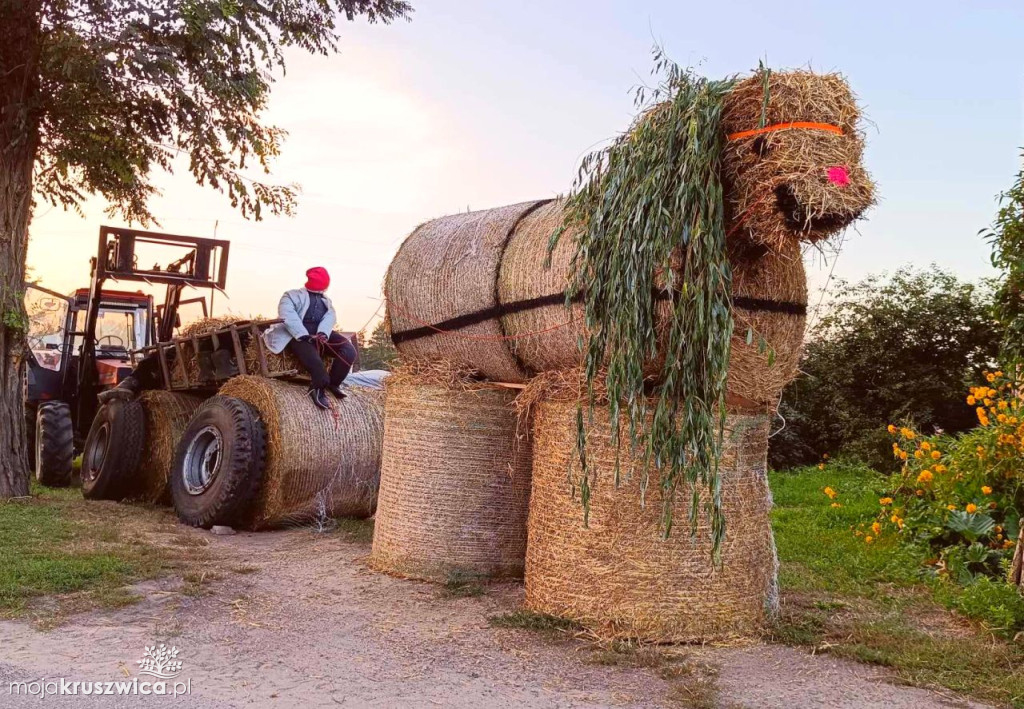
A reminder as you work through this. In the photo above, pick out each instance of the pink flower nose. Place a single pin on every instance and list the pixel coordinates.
(839, 175)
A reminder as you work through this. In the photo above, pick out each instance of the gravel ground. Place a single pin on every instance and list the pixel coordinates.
(306, 623)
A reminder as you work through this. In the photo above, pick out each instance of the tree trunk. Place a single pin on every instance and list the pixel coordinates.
(19, 137)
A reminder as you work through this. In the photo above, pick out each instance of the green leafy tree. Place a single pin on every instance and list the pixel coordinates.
(97, 96)
(1007, 239)
(902, 348)
(378, 352)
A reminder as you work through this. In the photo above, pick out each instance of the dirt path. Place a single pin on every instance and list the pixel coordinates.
(298, 620)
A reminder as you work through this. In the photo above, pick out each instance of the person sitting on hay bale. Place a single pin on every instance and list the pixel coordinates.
(307, 332)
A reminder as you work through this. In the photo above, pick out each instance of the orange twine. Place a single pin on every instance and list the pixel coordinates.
(805, 125)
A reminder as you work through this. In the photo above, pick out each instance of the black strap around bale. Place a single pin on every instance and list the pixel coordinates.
(518, 306)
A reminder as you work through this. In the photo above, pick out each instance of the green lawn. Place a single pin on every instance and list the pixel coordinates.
(60, 554)
(874, 602)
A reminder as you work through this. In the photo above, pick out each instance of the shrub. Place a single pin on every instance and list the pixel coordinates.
(961, 495)
(887, 349)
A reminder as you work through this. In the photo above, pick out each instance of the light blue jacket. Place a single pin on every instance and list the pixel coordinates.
(290, 309)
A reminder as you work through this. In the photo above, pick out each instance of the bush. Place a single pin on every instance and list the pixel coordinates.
(887, 349)
(961, 495)
(996, 604)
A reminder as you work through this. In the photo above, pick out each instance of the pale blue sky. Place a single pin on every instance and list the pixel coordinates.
(487, 103)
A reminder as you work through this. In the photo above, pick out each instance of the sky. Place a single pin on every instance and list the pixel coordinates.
(482, 104)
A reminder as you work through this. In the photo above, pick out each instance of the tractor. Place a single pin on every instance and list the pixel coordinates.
(89, 342)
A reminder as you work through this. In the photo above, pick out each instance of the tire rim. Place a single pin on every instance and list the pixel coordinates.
(96, 453)
(202, 460)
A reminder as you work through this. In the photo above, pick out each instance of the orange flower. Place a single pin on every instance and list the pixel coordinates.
(835, 505)
(925, 476)
(831, 493)
(891, 428)
(986, 490)
(868, 539)
(971, 508)
(876, 528)
(883, 501)
(950, 507)
(936, 455)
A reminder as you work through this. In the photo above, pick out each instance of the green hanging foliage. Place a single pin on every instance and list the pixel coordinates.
(1006, 237)
(650, 217)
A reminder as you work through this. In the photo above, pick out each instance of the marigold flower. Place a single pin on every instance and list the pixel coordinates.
(925, 445)
(831, 493)
(907, 433)
(821, 466)
(1001, 418)
(885, 501)
(950, 507)
(891, 428)
(876, 528)
(940, 468)
(936, 455)
(925, 476)
(919, 454)
(1007, 544)
(987, 402)
(835, 505)
(990, 377)
(868, 539)
(1003, 405)
(971, 508)
(903, 455)
(970, 400)
(986, 490)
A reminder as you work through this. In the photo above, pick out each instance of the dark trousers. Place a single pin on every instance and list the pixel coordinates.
(338, 347)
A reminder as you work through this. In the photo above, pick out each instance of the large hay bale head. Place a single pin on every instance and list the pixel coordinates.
(455, 481)
(319, 464)
(167, 415)
(618, 575)
(806, 182)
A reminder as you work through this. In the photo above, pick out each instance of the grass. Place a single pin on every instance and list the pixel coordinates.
(873, 603)
(528, 620)
(60, 554)
(359, 531)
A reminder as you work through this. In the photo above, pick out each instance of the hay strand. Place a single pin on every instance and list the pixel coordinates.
(167, 415)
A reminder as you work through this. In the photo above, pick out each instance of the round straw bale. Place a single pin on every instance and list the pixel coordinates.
(455, 482)
(319, 463)
(618, 575)
(447, 269)
(167, 415)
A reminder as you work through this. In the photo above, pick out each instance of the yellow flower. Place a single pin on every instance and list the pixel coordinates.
(885, 501)
(940, 468)
(868, 539)
(999, 374)
(987, 402)
(919, 454)
(925, 476)
(891, 428)
(990, 377)
(971, 508)
(950, 507)
(821, 466)
(925, 445)
(970, 400)
(831, 493)
(986, 490)
(876, 528)
(1001, 418)
(936, 455)
(836, 505)
(907, 433)
(1007, 544)
(1003, 405)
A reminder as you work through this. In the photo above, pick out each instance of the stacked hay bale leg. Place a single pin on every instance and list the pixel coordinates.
(455, 481)
(619, 574)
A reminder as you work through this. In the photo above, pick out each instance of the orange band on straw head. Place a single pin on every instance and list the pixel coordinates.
(805, 125)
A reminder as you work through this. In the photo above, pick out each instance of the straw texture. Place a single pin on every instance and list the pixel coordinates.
(777, 184)
(455, 482)
(759, 372)
(619, 577)
(167, 415)
(446, 268)
(320, 464)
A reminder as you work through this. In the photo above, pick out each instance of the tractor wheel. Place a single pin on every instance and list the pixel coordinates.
(113, 450)
(218, 465)
(53, 444)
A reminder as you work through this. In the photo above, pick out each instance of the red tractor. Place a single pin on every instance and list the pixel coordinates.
(86, 343)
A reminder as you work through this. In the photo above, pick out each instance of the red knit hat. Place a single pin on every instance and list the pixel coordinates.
(318, 279)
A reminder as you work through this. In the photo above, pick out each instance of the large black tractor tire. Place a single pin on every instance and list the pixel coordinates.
(113, 450)
(53, 444)
(219, 464)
